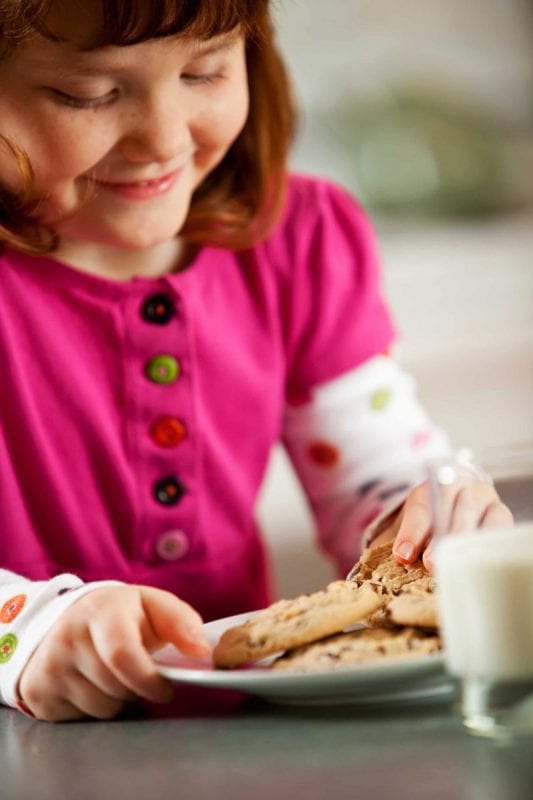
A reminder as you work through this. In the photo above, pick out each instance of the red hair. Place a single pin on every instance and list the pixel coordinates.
(237, 204)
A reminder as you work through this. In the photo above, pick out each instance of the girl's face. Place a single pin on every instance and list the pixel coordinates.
(119, 138)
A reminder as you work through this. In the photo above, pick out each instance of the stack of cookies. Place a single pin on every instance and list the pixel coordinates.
(392, 605)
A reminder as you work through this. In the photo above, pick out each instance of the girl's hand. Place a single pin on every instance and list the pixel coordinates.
(96, 657)
(466, 505)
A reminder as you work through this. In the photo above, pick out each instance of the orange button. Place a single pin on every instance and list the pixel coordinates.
(168, 431)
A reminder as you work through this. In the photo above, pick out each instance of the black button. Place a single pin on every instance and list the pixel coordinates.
(168, 491)
(158, 309)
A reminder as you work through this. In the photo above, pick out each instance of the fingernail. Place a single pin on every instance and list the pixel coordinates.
(405, 550)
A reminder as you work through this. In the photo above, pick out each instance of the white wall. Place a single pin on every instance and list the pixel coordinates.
(462, 291)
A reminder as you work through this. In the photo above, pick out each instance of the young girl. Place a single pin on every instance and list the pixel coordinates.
(172, 303)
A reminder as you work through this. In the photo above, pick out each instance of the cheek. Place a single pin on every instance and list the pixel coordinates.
(224, 120)
(69, 156)
(71, 152)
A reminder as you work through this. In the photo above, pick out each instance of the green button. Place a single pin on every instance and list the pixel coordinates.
(380, 399)
(8, 644)
(163, 369)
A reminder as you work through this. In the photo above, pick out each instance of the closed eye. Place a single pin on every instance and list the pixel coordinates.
(84, 102)
(206, 77)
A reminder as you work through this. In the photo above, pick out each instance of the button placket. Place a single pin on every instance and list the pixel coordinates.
(167, 529)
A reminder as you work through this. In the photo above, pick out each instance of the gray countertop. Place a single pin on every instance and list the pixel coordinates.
(255, 751)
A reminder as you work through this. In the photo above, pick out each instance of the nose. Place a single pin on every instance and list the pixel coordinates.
(157, 129)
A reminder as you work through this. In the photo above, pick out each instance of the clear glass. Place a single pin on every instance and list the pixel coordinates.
(485, 592)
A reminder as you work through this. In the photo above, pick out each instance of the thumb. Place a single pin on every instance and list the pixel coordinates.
(174, 621)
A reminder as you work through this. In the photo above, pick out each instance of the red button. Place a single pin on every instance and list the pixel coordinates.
(168, 431)
(324, 454)
(172, 545)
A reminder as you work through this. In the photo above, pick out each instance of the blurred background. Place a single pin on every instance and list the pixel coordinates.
(424, 109)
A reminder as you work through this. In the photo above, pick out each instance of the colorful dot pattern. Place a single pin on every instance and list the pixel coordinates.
(8, 645)
(12, 608)
(380, 399)
(324, 454)
(358, 447)
(8, 612)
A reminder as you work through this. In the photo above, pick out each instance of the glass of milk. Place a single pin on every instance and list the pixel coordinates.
(485, 594)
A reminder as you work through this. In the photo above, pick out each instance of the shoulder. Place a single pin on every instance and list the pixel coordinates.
(322, 211)
(321, 223)
(309, 198)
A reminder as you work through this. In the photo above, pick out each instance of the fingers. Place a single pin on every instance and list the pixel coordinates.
(97, 655)
(122, 639)
(93, 669)
(174, 621)
(86, 701)
(497, 514)
(472, 511)
(462, 506)
(470, 504)
(49, 707)
(428, 558)
(118, 643)
(53, 690)
(414, 526)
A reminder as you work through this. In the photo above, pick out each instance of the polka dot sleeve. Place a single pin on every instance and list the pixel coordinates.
(358, 446)
(28, 609)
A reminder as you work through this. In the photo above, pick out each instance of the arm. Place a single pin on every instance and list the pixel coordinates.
(69, 649)
(360, 448)
(360, 442)
(28, 609)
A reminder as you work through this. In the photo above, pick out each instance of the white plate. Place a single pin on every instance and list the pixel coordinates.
(402, 681)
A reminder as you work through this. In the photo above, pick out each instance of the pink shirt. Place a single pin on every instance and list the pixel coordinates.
(116, 463)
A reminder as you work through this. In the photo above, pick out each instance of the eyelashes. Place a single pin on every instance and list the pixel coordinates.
(74, 101)
(85, 102)
(202, 78)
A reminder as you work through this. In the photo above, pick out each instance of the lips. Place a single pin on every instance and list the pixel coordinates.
(141, 190)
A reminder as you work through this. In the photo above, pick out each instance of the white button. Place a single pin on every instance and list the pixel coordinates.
(172, 545)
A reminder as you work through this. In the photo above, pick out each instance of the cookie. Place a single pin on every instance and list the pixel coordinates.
(410, 589)
(290, 623)
(369, 594)
(379, 567)
(364, 646)
(413, 609)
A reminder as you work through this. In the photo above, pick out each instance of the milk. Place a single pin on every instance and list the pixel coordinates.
(485, 591)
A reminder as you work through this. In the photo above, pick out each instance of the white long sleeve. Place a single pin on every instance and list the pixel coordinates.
(359, 446)
(28, 609)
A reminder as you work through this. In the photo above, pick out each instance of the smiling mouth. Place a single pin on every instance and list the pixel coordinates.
(141, 190)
